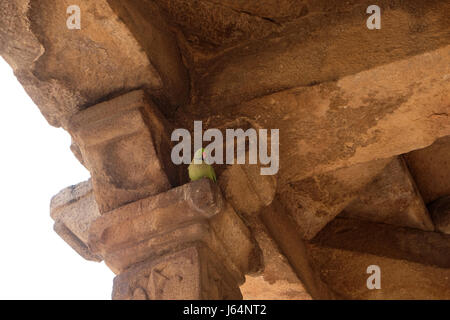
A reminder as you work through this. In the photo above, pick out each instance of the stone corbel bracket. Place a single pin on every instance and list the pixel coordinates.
(192, 220)
(163, 223)
(125, 144)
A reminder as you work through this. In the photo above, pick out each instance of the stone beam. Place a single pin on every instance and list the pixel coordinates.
(248, 192)
(316, 42)
(345, 273)
(414, 264)
(285, 233)
(277, 280)
(335, 264)
(396, 108)
(430, 248)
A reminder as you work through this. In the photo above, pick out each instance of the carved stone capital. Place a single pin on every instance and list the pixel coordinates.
(193, 273)
(125, 144)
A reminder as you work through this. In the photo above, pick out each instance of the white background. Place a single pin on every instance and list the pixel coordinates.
(35, 164)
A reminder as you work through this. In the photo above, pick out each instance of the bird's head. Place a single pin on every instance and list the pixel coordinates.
(200, 154)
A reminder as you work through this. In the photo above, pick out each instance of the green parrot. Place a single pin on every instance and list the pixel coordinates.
(202, 169)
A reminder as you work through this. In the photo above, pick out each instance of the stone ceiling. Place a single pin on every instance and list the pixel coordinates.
(364, 141)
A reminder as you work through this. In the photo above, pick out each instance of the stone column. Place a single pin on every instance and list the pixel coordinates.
(162, 240)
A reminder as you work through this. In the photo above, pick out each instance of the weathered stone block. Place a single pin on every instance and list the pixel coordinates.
(430, 168)
(315, 201)
(64, 70)
(148, 24)
(246, 189)
(242, 184)
(125, 145)
(191, 273)
(440, 213)
(74, 209)
(392, 198)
